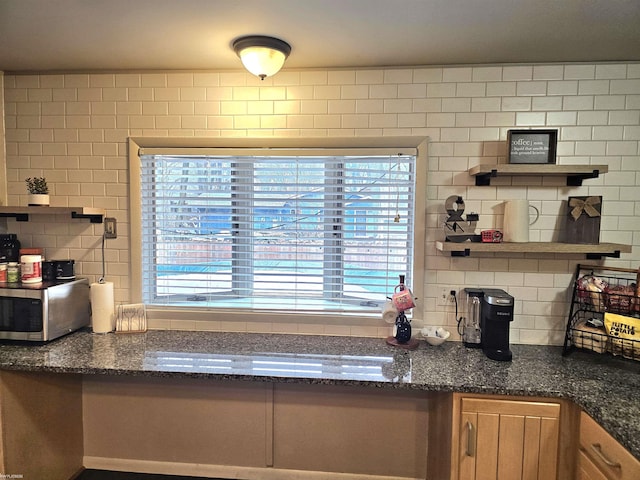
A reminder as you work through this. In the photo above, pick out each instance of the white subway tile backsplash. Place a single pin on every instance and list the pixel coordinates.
(457, 74)
(562, 88)
(439, 90)
(561, 118)
(469, 119)
(629, 117)
(487, 74)
(397, 106)
(547, 104)
(340, 77)
(579, 72)
(474, 89)
(575, 102)
(427, 75)
(548, 72)
(590, 148)
(524, 72)
(629, 148)
(625, 87)
(611, 71)
(631, 132)
(593, 118)
(312, 78)
(368, 77)
(607, 133)
(526, 119)
(531, 88)
(516, 104)
(484, 134)
(398, 75)
(501, 89)
(593, 87)
(441, 119)
(74, 128)
(456, 105)
(501, 119)
(354, 91)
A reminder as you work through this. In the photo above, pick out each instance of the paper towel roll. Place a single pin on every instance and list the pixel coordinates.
(389, 312)
(102, 307)
(517, 220)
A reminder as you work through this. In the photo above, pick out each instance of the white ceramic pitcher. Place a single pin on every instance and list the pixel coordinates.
(517, 220)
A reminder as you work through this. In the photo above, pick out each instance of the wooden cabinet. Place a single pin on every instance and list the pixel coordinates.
(505, 439)
(587, 470)
(601, 457)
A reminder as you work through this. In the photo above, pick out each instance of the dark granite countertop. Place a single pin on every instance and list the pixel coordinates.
(607, 388)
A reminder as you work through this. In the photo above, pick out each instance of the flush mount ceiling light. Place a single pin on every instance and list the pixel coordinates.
(262, 56)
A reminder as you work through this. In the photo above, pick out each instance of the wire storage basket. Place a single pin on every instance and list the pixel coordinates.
(605, 311)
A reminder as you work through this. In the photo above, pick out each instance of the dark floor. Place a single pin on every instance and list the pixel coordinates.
(106, 475)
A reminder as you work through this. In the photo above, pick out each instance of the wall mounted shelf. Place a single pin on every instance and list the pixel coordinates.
(575, 174)
(592, 252)
(21, 214)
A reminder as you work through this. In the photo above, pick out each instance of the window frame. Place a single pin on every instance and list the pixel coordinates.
(139, 145)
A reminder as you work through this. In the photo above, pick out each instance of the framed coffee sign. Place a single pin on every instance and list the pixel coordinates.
(532, 146)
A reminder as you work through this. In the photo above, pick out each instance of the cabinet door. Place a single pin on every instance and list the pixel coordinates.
(587, 470)
(506, 439)
(604, 453)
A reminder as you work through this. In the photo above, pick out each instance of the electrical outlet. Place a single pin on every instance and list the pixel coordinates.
(445, 298)
(110, 228)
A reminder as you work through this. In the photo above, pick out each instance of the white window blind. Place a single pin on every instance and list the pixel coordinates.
(278, 232)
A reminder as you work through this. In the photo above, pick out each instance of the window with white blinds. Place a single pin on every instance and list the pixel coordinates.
(276, 232)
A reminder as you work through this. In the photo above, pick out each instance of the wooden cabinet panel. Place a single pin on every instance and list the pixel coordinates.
(549, 446)
(587, 470)
(514, 440)
(488, 426)
(531, 447)
(510, 448)
(602, 451)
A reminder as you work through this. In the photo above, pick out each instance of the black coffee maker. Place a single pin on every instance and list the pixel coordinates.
(496, 315)
(486, 326)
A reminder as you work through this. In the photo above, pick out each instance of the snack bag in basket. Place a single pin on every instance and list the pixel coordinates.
(624, 333)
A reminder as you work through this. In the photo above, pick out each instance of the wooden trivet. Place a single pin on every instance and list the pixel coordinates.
(412, 344)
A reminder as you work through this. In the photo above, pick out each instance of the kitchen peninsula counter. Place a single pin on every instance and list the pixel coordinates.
(605, 387)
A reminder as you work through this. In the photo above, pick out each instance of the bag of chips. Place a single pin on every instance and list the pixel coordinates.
(624, 334)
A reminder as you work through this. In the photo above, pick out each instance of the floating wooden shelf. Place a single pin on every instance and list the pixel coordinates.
(575, 173)
(596, 251)
(21, 214)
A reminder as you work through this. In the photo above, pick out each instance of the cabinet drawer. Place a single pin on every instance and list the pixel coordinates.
(587, 469)
(604, 451)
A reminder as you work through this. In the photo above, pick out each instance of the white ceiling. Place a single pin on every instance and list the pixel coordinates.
(91, 35)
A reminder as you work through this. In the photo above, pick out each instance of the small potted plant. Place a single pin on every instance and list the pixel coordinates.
(38, 192)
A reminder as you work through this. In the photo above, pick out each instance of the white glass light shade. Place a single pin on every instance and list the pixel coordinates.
(262, 56)
(261, 61)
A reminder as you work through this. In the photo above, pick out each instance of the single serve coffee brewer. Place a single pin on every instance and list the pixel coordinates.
(489, 313)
